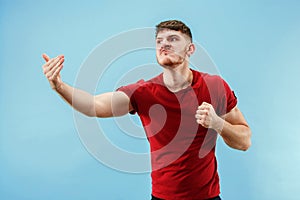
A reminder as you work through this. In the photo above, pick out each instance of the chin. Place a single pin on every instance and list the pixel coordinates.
(165, 62)
(168, 62)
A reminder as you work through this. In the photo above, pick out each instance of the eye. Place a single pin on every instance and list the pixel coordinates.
(173, 39)
(158, 41)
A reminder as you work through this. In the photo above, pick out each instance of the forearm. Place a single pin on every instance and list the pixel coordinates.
(78, 99)
(232, 126)
(236, 136)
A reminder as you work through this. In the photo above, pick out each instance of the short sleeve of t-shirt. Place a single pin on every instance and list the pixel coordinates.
(129, 90)
(228, 99)
(222, 97)
(230, 96)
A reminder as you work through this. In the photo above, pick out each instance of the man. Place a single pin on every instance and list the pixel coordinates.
(182, 111)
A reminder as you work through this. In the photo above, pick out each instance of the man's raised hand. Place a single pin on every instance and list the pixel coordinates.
(52, 69)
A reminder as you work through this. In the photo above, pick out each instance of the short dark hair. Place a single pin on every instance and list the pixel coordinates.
(175, 25)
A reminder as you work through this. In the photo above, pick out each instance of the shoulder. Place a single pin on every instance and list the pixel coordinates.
(212, 78)
(142, 85)
(157, 80)
(204, 75)
(208, 79)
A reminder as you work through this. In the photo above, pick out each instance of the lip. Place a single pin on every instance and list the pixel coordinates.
(163, 51)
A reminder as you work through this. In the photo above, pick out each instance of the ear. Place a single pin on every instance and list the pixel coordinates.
(191, 49)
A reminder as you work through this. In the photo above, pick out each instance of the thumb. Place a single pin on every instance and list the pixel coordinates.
(46, 57)
(205, 103)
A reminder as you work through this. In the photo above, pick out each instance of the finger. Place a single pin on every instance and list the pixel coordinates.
(46, 57)
(54, 68)
(56, 72)
(202, 112)
(51, 68)
(205, 103)
(203, 108)
(49, 65)
(199, 116)
(51, 62)
(54, 62)
(50, 74)
(200, 121)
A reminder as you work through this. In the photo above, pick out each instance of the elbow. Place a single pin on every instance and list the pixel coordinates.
(244, 142)
(241, 146)
(247, 141)
(90, 114)
(246, 146)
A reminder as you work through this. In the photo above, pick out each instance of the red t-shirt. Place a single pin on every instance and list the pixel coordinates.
(183, 158)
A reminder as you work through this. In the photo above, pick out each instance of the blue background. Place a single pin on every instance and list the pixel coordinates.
(255, 45)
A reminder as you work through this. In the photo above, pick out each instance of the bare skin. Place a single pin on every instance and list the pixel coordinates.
(103, 105)
(232, 127)
(173, 50)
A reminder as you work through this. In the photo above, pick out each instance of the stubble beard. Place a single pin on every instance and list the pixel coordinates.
(170, 62)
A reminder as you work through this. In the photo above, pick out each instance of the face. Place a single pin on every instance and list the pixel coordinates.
(172, 48)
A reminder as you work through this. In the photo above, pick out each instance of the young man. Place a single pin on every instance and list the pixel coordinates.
(197, 108)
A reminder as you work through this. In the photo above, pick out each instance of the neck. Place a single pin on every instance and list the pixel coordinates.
(178, 78)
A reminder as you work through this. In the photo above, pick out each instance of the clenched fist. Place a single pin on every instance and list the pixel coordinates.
(207, 117)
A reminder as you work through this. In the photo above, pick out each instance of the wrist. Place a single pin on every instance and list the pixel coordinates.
(218, 125)
(58, 87)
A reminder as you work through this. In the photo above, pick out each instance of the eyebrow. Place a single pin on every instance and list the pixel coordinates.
(168, 36)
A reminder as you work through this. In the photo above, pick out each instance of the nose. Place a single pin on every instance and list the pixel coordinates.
(165, 44)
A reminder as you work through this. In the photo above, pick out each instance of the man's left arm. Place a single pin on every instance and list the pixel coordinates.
(232, 126)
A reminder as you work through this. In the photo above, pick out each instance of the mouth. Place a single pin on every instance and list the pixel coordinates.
(164, 52)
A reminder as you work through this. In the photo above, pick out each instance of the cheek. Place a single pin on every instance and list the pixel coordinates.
(180, 53)
(182, 49)
(157, 54)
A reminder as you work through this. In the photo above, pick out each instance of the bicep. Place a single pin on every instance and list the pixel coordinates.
(112, 104)
(235, 117)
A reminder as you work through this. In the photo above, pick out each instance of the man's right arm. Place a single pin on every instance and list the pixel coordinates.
(103, 105)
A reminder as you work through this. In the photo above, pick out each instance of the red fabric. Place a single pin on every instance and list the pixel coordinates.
(183, 158)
